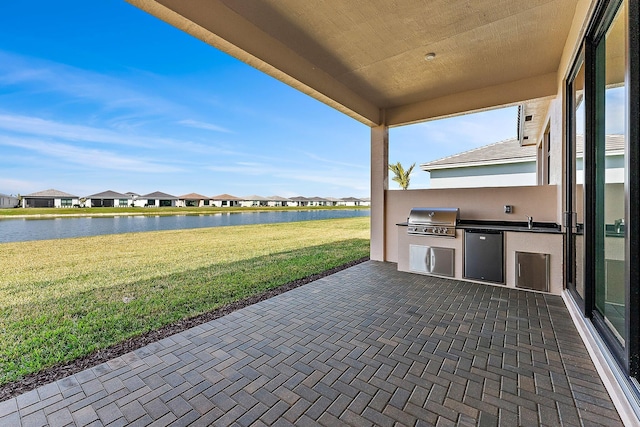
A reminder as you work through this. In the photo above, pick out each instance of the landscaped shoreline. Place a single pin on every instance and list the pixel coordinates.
(18, 213)
(61, 300)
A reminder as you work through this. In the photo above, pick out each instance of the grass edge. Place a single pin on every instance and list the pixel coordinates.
(62, 370)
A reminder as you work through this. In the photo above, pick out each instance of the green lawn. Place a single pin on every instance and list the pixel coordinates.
(21, 212)
(62, 299)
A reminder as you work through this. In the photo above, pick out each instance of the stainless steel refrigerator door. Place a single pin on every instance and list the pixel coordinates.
(484, 256)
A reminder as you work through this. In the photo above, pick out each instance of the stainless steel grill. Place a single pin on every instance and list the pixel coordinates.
(433, 221)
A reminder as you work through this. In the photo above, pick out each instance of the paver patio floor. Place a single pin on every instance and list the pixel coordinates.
(366, 346)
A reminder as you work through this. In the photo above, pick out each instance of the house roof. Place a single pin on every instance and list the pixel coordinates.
(159, 195)
(49, 194)
(299, 199)
(225, 197)
(108, 195)
(193, 196)
(613, 144)
(351, 199)
(255, 197)
(510, 151)
(277, 199)
(366, 58)
(507, 151)
(317, 199)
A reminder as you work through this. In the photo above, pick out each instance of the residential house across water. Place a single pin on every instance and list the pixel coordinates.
(225, 201)
(108, 199)
(277, 201)
(193, 200)
(7, 201)
(50, 199)
(156, 199)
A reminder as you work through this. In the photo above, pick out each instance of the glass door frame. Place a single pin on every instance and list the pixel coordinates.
(632, 192)
(628, 357)
(571, 208)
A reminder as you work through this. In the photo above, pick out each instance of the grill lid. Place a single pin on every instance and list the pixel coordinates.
(434, 216)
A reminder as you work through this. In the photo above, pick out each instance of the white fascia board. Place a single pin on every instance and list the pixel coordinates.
(476, 164)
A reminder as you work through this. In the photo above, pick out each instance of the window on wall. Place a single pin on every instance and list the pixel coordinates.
(544, 158)
(123, 203)
(547, 144)
(66, 203)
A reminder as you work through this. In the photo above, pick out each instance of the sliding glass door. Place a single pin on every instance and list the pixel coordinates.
(610, 151)
(602, 157)
(575, 181)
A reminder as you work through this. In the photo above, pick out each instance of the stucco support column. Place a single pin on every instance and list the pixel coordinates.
(379, 185)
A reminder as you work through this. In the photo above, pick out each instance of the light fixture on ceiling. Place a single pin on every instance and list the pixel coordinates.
(430, 56)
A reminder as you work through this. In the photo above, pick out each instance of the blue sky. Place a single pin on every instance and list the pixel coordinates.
(98, 95)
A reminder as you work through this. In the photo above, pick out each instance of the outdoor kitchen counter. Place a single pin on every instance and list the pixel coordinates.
(538, 227)
(542, 238)
(518, 226)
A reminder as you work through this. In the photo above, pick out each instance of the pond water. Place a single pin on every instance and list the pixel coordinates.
(21, 230)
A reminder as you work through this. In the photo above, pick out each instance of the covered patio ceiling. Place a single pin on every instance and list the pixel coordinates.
(366, 58)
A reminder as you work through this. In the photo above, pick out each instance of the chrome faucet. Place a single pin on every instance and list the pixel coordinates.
(530, 222)
(618, 223)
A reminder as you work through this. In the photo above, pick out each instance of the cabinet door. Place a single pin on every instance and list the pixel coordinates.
(431, 260)
(532, 271)
(441, 261)
(418, 256)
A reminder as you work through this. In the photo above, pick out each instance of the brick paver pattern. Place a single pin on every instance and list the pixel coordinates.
(366, 346)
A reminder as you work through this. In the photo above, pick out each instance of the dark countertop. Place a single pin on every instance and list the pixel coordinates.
(538, 227)
(518, 226)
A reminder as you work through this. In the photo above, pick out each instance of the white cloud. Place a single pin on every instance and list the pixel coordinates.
(10, 184)
(48, 128)
(357, 181)
(42, 76)
(202, 125)
(71, 132)
(87, 157)
(335, 162)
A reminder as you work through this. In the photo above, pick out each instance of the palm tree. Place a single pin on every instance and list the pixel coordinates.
(401, 176)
